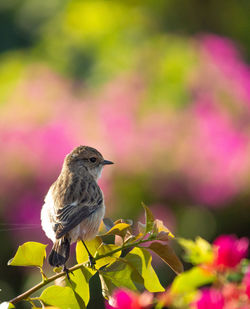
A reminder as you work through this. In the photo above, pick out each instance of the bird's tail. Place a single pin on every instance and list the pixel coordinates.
(60, 252)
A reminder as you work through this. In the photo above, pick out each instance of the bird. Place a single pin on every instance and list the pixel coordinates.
(74, 205)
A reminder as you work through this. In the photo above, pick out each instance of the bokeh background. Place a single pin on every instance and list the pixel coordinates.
(162, 88)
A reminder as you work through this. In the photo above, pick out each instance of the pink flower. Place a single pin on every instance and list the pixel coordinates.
(228, 60)
(235, 296)
(219, 172)
(125, 299)
(210, 298)
(246, 282)
(230, 250)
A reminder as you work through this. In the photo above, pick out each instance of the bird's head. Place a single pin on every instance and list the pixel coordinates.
(88, 157)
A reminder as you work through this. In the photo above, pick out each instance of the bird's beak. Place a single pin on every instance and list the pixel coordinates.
(107, 162)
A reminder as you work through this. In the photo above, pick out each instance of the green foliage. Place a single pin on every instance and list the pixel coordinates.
(149, 221)
(123, 264)
(119, 229)
(191, 279)
(29, 254)
(120, 261)
(61, 297)
(80, 284)
(96, 247)
(198, 251)
(121, 274)
(141, 259)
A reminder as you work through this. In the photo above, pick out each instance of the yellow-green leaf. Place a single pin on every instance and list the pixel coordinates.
(119, 229)
(106, 248)
(80, 283)
(191, 279)
(92, 245)
(61, 297)
(167, 254)
(29, 254)
(96, 248)
(149, 219)
(198, 251)
(163, 233)
(121, 274)
(141, 260)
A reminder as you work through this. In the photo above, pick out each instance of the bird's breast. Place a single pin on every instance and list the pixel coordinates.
(89, 227)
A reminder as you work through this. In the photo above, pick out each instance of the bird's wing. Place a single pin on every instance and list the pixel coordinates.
(70, 215)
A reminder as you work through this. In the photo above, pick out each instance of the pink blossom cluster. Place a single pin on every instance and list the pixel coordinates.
(126, 299)
(231, 296)
(229, 252)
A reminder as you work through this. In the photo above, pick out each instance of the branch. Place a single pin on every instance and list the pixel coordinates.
(37, 287)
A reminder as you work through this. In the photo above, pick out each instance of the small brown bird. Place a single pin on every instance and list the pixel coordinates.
(74, 205)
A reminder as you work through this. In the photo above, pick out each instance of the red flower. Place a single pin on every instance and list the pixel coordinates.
(210, 298)
(230, 250)
(125, 299)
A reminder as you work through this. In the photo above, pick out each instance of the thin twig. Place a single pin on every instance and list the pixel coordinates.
(38, 286)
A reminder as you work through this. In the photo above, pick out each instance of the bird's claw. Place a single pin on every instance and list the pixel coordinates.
(91, 262)
(65, 269)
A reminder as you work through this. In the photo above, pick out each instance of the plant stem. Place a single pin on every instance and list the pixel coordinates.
(46, 281)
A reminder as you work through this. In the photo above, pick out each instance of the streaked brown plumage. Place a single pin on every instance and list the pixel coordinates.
(74, 205)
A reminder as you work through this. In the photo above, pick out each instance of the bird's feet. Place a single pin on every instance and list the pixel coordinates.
(92, 262)
(65, 269)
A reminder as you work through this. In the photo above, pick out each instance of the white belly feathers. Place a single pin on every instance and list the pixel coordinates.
(87, 229)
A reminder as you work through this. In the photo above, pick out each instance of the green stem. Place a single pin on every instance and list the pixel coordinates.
(46, 281)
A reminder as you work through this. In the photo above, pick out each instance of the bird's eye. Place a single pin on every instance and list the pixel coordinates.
(92, 159)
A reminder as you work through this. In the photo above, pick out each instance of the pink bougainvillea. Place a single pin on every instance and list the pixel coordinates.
(125, 299)
(210, 298)
(229, 250)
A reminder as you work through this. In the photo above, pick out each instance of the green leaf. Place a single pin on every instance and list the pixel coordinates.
(141, 260)
(103, 249)
(92, 245)
(61, 297)
(80, 284)
(133, 272)
(96, 248)
(29, 254)
(191, 279)
(119, 229)
(149, 221)
(235, 277)
(121, 274)
(198, 251)
(167, 254)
